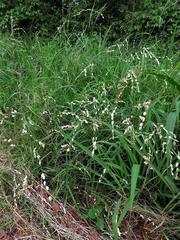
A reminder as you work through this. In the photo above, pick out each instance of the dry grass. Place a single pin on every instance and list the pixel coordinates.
(49, 219)
(57, 221)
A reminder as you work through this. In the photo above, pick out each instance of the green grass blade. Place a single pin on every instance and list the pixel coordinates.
(129, 202)
(171, 122)
(115, 220)
(134, 178)
(168, 79)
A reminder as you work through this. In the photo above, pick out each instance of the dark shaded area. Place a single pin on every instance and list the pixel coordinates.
(125, 17)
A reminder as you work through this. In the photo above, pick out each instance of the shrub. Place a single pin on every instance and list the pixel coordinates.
(121, 17)
(155, 17)
(35, 15)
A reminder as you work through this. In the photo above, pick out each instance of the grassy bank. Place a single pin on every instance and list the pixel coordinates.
(99, 123)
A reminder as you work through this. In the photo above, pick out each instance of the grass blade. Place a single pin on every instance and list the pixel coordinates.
(134, 178)
(129, 202)
(115, 220)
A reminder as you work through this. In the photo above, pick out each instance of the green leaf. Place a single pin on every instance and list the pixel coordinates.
(126, 208)
(171, 184)
(134, 178)
(94, 212)
(100, 224)
(175, 71)
(168, 79)
(171, 121)
(129, 202)
(115, 224)
(177, 109)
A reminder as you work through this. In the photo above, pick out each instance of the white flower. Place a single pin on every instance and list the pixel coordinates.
(50, 198)
(25, 183)
(142, 118)
(43, 177)
(41, 144)
(140, 126)
(24, 131)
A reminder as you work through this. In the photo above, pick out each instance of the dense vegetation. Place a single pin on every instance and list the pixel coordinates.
(90, 111)
(132, 17)
(95, 113)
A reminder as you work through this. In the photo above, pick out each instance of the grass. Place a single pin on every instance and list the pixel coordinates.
(99, 121)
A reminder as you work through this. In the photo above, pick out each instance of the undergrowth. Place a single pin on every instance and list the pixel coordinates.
(97, 124)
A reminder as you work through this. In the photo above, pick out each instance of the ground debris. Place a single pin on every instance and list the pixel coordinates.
(4, 235)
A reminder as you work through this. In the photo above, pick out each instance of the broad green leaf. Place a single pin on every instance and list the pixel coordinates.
(171, 122)
(134, 178)
(177, 109)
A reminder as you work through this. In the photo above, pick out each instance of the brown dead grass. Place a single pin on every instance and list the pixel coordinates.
(65, 223)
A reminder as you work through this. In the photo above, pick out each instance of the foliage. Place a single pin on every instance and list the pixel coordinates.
(156, 17)
(119, 17)
(97, 120)
(28, 15)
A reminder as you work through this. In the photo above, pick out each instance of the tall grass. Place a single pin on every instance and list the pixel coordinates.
(95, 119)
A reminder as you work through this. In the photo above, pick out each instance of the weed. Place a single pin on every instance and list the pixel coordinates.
(90, 119)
